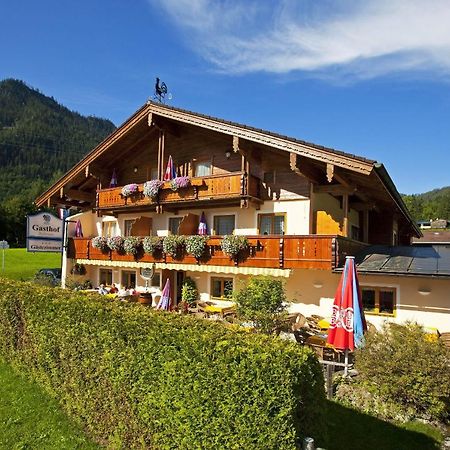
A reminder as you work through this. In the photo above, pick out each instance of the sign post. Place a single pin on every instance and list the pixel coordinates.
(4, 246)
(44, 233)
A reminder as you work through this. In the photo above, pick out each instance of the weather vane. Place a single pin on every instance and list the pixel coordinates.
(161, 91)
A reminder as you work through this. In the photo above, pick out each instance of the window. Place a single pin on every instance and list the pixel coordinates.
(156, 280)
(221, 288)
(154, 174)
(109, 228)
(127, 225)
(129, 278)
(202, 168)
(223, 225)
(174, 224)
(378, 300)
(271, 223)
(105, 277)
(354, 232)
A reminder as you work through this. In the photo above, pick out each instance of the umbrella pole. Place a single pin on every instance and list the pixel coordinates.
(346, 363)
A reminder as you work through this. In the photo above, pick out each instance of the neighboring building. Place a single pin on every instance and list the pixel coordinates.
(303, 207)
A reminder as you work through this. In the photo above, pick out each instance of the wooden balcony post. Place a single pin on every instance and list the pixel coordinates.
(345, 221)
(281, 254)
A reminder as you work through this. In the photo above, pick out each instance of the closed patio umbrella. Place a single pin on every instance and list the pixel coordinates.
(78, 229)
(170, 172)
(165, 302)
(202, 227)
(347, 321)
(113, 182)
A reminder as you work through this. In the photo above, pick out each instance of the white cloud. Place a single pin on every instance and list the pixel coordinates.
(362, 39)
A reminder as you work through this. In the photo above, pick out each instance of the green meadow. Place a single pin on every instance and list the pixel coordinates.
(21, 265)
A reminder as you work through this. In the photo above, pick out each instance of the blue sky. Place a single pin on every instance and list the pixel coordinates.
(371, 78)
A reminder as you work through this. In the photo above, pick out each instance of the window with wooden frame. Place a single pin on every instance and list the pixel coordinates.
(174, 224)
(379, 300)
(154, 173)
(127, 225)
(221, 288)
(273, 223)
(224, 225)
(129, 278)
(105, 277)
(109, 228)
(202, 168)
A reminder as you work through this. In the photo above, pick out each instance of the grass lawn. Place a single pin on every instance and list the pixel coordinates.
(30, 419)
(349, 429)
(21, 265)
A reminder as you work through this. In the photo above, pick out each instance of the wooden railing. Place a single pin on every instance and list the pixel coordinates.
(280, 252)
(215, 187)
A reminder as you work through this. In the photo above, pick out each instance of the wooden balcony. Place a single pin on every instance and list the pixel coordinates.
(276, 252)
(234, 187)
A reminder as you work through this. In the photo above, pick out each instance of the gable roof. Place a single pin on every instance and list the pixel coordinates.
(143, 118)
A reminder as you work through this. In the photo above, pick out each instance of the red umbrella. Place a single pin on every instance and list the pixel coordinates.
(165, 302)
(347, 321)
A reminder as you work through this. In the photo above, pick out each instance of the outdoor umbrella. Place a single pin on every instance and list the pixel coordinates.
(113, 182)
(165, 301)
(202, 227)
(347, 321)
(170, 172)
(78, 229)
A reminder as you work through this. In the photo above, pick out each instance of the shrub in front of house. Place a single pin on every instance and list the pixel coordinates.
(262, 301)
(189, 291)
(136, 378)
(403, 374)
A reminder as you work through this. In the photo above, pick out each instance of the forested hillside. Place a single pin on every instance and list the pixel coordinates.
(434, 204)
(39, 141)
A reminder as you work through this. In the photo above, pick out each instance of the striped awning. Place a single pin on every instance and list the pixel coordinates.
(236, 270)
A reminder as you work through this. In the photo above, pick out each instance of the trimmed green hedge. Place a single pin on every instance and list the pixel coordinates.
(135, 378)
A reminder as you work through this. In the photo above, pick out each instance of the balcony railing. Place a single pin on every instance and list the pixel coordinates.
(235, 186)
(280, 252)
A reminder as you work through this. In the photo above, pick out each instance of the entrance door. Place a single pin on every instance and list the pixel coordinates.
(180, 279)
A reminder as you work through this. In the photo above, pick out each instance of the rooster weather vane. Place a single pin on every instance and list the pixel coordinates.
(161, 91)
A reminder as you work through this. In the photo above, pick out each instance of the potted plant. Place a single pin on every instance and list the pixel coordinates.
(232, 245)
(179, 182)
(152, 244)
(172, 245)
(152, 187)
(115, 243)
(189, 292)
(130, 189)
(132, 244)
(196, 245)
(100, 243)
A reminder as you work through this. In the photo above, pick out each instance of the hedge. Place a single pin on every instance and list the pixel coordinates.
(136, 378)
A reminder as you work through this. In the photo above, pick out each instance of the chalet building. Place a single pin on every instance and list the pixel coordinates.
(301, 206)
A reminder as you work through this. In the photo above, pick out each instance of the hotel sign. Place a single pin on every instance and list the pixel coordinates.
(44, 233)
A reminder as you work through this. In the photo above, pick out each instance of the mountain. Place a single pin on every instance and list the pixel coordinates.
(39, 138)
(434, 204)
(39, 141)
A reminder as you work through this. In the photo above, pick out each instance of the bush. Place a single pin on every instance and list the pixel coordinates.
(189, 292)
(262, 301)
(132, 244)
(402, 367)
(136, 378)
